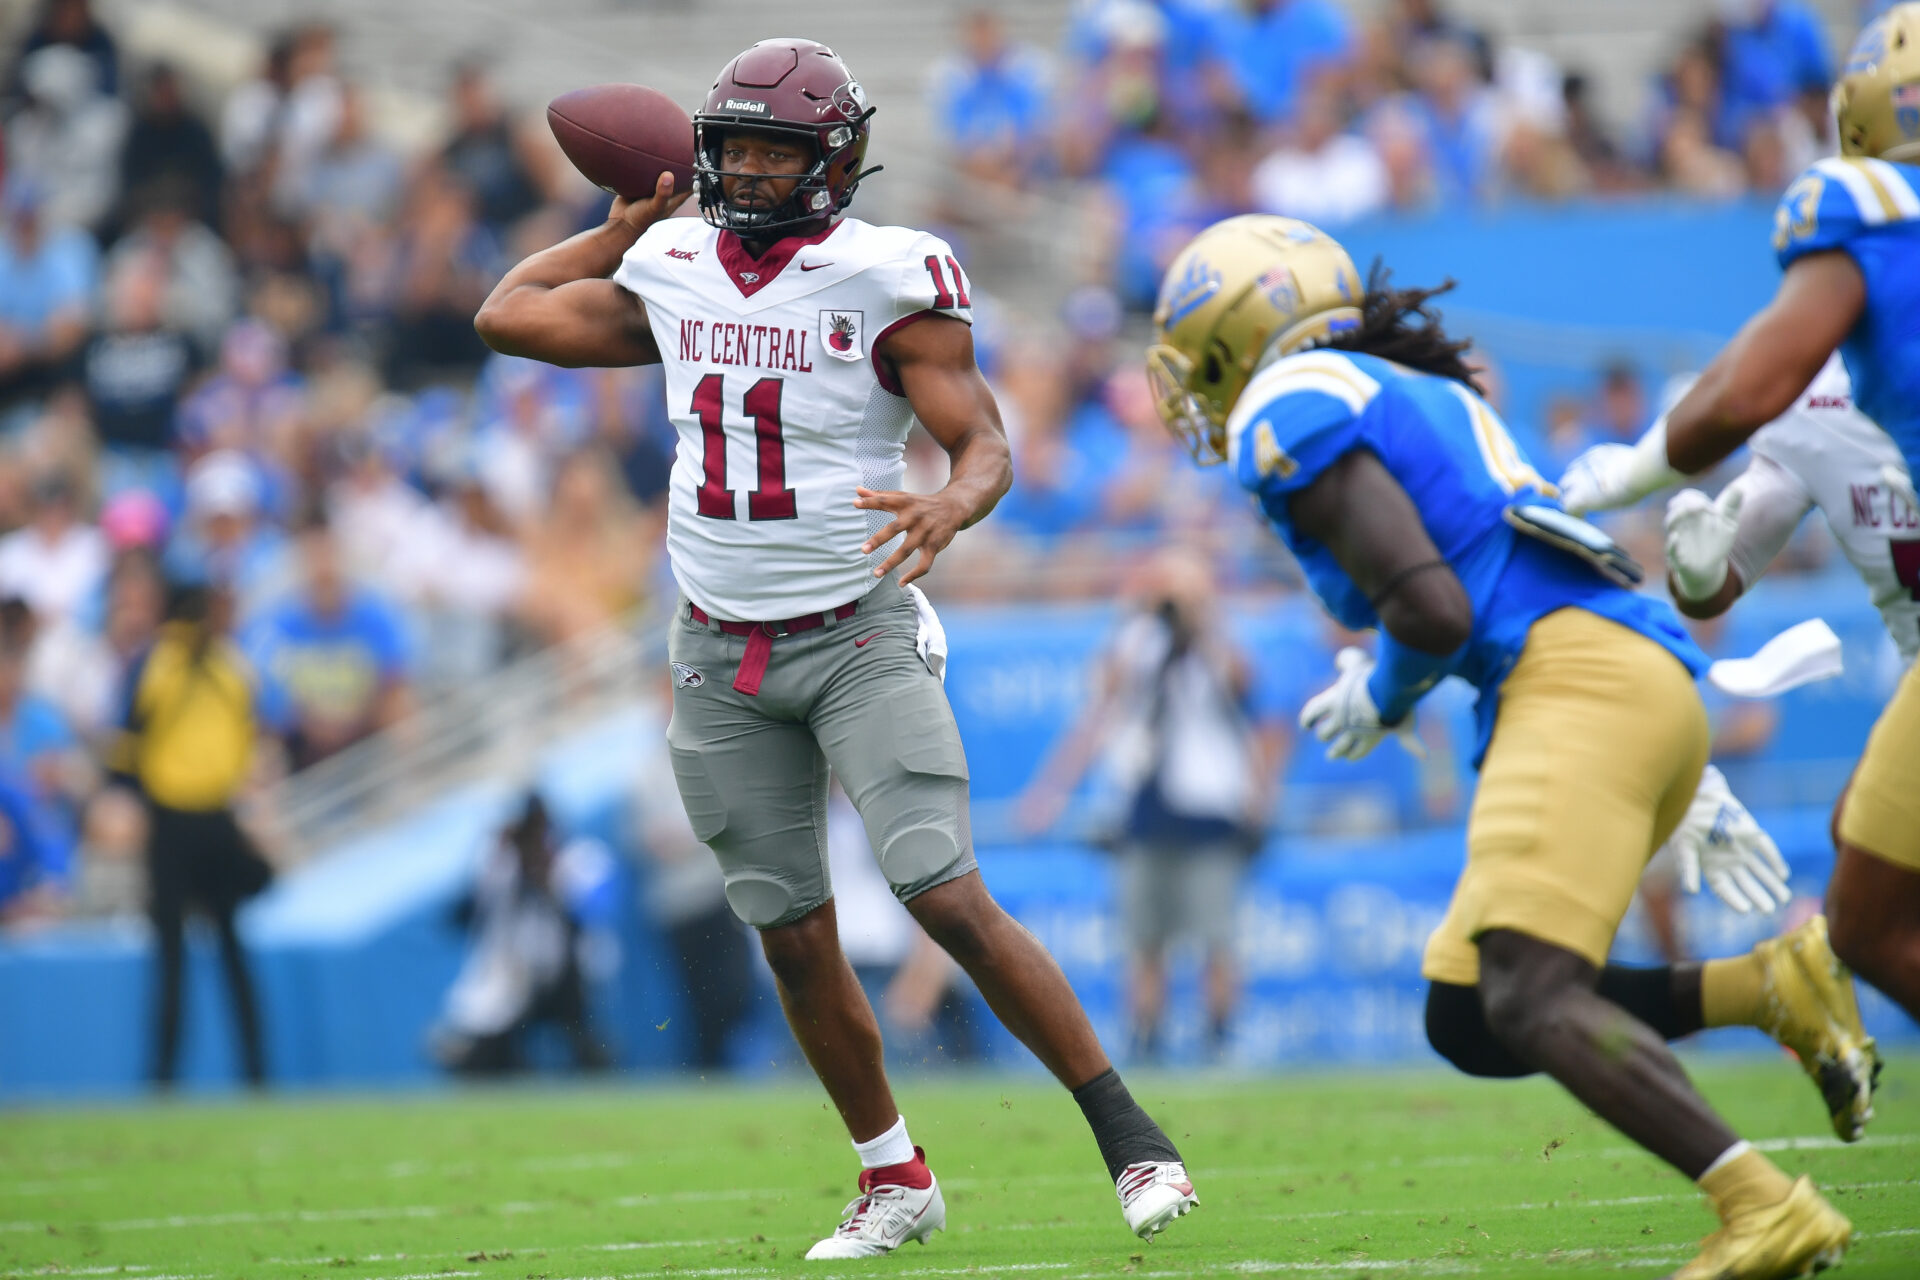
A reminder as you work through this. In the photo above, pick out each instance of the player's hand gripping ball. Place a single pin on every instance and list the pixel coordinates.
(623, 137)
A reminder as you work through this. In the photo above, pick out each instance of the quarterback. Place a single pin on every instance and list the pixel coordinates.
(799, 346)
(1355, 423)
(1847, 234)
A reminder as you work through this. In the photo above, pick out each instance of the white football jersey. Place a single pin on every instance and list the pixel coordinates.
(1825, 453)
(782, 404)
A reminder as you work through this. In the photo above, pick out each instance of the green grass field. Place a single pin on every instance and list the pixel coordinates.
(1390, 1174)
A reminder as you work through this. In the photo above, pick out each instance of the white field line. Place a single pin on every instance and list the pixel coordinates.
(524, 1207)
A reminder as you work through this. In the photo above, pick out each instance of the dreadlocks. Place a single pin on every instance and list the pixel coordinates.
(1396, 325)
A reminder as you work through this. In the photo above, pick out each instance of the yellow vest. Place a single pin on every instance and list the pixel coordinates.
(192, 723)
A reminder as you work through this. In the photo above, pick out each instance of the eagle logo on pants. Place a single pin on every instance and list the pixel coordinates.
(686, 677)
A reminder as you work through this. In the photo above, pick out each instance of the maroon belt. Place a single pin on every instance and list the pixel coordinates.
(760, 637)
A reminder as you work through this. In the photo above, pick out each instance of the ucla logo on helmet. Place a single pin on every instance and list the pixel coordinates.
(1184, 296)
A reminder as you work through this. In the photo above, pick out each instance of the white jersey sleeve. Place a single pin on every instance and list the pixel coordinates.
(1837, 454)
(783, 402)
(1773, 502)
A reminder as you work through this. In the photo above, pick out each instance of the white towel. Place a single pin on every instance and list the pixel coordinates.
(932, 638)
(1801, 654)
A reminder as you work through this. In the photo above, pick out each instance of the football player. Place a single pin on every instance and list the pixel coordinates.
(1822, 452)
(1847, 234)
(1356, 424)
(799, 347)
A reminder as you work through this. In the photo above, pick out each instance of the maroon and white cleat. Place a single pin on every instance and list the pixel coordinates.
(899, 1203)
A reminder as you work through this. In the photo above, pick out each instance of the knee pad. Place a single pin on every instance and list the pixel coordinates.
(762, 901)
(1457, 1029)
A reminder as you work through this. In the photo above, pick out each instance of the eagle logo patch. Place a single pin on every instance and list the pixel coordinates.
(841, 334)
(686, 677)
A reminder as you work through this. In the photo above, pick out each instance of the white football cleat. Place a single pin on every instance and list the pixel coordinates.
(1153, 1193)
(886, 1216)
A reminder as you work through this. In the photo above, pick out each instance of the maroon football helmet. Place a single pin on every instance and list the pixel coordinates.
(785, 86)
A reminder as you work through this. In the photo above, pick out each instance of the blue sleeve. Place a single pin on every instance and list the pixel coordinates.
(387, 638)
(1818, 213)
(1402, 676)
(1292, 440)
(260, 644)
(77, 271)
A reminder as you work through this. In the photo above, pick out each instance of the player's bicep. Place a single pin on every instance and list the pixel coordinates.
(931, 363)
(1772, 503)
(1369, 524)
(577, 324)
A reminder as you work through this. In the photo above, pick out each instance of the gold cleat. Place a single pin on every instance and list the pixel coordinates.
(1809, 1008)
(1793, 1237)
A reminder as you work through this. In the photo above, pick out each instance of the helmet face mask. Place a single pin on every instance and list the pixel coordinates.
(804, 203)
(1245, 291)
(783, 87)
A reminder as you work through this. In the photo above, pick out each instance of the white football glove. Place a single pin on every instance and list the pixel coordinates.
(1618, 475)
(1719, 841)
(1700, 534)
(1343, 715)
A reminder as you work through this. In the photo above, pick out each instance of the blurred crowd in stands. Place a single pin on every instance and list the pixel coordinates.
(236, 348)
(1186, 111)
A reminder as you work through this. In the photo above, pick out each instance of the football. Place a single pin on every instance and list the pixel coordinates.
(623, 135)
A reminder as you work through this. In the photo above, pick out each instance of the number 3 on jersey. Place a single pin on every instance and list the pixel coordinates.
(772, 500)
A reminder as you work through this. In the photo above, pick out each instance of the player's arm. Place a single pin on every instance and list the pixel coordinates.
(1757, 376)
(932, 363)
(1359, 512)
(559, 306)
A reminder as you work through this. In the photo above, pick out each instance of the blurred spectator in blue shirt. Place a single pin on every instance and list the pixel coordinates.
(1276, 48)
(225, 539)
(38, 750)
(1195, 83)
(1776, 56)
(48, 274)
(333, 657)
(252, 398)
(989, 101)
(33, 870)
(1457, 119)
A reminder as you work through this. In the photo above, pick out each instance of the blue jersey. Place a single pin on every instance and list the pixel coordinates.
(1454, 457)
(1869, 209)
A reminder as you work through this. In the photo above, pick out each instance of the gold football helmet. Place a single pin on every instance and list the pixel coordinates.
(1245, 292)
(1876, 102)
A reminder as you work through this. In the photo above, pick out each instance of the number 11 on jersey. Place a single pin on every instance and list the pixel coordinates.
(772, 500)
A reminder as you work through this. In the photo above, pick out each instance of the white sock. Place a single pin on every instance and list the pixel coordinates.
(1728, 1156)
(891, 1147)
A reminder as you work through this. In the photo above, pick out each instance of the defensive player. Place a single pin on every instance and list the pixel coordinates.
(1822, 452)
(799, 347)
(1847, 234)
(1356, 424)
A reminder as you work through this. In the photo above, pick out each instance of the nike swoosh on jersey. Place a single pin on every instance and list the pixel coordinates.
(861, 644)
(814, 266)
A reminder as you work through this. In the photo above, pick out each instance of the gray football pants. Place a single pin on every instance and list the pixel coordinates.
(852, 696)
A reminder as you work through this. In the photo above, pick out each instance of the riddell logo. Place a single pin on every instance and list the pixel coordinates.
(747, 105)
(685, 255)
